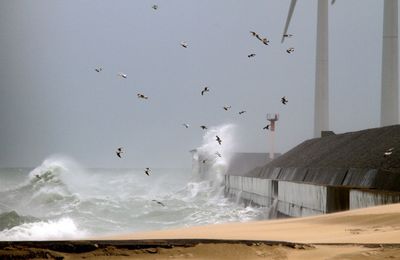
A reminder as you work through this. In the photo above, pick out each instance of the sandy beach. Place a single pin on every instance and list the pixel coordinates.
(372, 233)
(370, 225)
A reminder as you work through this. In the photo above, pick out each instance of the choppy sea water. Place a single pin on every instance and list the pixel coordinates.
(61, 200)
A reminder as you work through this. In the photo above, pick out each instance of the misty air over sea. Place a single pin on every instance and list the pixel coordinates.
(61, 200)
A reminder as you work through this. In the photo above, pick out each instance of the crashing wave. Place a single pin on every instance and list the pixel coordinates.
(64, 228)
(11, 219)
(45, 188)
(211, 159)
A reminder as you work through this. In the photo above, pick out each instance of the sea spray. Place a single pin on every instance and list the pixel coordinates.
(211, 159)
(44, 230)
(68, 201)
(44, 189)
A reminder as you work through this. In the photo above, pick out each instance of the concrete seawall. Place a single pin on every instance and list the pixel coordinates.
(323, 175)
(368, 198)
(296, 199)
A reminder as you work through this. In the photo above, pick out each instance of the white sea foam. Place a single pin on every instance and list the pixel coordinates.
(210, 166)
(72, 202)
(64, 228)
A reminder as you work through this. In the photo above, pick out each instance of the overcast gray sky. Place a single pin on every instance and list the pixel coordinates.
(52, 100)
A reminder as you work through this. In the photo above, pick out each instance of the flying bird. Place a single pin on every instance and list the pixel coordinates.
(98, 69)
(186, 125)
(204, 161)
(256, 35)
(290, 50)
(119, 152)
(226, 108)
(266, 127)
(253, 33)
(206, 89)
(203, 127)
(147, 171)
(37, 176)
(242, 112)
(155, 7)
(142, 96)
(122, 75)
(184, 44)
(159, 202)
(218, 154)
(251, 55)
(265, 41)
(218, 139)
(388, 152)
(284, 100)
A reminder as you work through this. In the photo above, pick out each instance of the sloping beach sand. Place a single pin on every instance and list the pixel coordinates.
(369, 225)
(371, 233)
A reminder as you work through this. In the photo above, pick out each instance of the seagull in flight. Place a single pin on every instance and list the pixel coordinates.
(253, 33)
(284, 100)
(251, 55)
(265, 41)
(226, 108)
(256, 35)
(155, 7)
(242, 112)
(147, 171)
(119, 152)
(218, 139)
(98, 69)
(218, 154)
(186, 125)
(290, 50)
(159, 202)
(37, 176)
(203, 127)
(388, 152)
(266, 127)
(142, 96)
(184, 44)
(206, 89)
(122, 75)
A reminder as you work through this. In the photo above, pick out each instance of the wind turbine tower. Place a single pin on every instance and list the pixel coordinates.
(390, 65)
(321, 94)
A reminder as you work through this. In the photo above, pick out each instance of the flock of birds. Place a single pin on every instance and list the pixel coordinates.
(119, 152)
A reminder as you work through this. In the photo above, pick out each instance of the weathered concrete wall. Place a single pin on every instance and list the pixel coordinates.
(293, 199)
(249, 189)
(368, 198)
(299, 199)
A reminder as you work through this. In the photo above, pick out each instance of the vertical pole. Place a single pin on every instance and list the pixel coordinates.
(321, 105)
(390, 77)
(272, 142)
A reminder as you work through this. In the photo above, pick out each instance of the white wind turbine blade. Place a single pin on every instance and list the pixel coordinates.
(290, 13)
